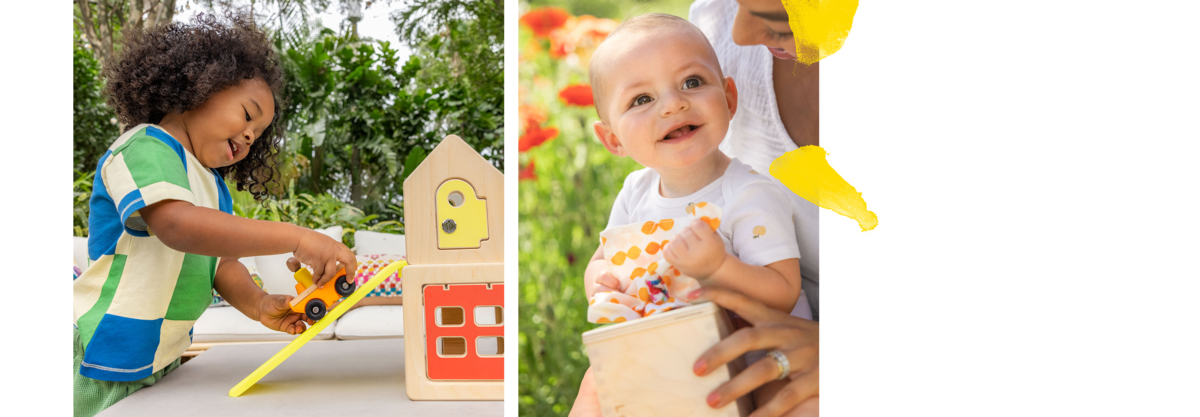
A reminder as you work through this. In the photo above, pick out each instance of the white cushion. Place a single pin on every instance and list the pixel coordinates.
(371, 322)
(250, 264)
(276, 277)
(80, 252)
(227, 324)
(251, 267)
(375, 243)
(334, 232)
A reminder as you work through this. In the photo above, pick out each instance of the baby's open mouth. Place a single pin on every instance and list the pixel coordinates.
(683, 130)
(233, 147)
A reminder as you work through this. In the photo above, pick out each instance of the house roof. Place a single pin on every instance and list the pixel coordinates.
(452, 159)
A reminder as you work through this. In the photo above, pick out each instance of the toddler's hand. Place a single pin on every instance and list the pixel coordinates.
(275, 312)
(696, 251)
(324, 254)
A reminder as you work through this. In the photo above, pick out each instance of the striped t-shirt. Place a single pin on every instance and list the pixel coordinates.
(136, 304)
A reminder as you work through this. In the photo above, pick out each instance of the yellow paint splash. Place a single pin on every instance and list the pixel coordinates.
(820, 27)
(806, 172)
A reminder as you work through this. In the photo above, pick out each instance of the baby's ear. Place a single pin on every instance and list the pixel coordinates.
(731, 95)
(608, 138)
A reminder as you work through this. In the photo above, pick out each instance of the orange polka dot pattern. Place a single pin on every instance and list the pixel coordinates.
(635, 257)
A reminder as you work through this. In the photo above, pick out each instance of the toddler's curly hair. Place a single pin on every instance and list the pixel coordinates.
(176, 67)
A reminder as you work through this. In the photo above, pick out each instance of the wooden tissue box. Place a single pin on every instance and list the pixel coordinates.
(644, 367)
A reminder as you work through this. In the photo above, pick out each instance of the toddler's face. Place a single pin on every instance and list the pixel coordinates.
(665, 102)
(222, 129)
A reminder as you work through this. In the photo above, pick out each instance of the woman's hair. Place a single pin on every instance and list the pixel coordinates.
(176, 67)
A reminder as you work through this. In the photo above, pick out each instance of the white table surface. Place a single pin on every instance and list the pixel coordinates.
(324, 378)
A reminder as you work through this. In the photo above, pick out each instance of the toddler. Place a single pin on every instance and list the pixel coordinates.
(663, 101)
(199, 102)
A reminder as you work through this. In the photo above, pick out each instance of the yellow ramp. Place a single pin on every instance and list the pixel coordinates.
(312, 331)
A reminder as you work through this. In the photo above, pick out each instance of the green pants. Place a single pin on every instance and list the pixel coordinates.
(93, 395)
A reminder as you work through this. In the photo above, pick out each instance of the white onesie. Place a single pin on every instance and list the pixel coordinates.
(756, 225)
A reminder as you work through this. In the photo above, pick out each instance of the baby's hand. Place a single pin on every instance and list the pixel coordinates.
(696, 251)
(606, 282)
(324, 254)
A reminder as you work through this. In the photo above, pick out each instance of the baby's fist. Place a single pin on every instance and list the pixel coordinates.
(696, 251)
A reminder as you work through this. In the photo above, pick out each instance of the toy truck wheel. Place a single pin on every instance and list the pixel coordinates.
(345, 287)
(315, 309)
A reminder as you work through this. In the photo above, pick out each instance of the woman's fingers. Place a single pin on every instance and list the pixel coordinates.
(754, 376)
(807, 408)
(734, 346)
(800, 389)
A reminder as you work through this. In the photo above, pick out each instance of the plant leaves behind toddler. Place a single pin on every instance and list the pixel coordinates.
(410, 163)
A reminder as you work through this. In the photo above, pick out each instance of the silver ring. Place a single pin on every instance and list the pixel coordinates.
(782, 362)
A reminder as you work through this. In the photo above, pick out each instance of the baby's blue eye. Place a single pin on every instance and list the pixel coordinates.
(691, 83)
(640, 100)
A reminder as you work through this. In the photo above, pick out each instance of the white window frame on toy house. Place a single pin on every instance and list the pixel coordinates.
(499, 347)
(440, 318)
(441, 347)
(499, 316)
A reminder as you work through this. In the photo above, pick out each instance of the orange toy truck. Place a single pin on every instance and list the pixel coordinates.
(315, 302)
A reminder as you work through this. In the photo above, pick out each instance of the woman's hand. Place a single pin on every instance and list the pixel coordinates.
(797, 338)
(324, 254)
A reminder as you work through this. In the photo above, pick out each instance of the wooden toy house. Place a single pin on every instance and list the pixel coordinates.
(454, 283)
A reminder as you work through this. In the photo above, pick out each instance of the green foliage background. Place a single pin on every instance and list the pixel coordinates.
(358, 119)
(562, 212)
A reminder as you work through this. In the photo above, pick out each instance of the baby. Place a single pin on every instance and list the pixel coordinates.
(663, 101)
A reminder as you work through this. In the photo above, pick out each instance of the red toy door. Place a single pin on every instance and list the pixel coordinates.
(468, 364)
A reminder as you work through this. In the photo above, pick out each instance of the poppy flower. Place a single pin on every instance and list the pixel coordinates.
(531, 116)
(580, 36)
(577, 95)
(594, 27)
(526, 173)
(543, 20)
(535, 136)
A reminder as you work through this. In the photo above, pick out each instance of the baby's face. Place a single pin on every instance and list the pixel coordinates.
(664, 100)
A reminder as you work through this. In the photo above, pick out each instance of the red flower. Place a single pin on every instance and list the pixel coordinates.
(577, 95)
(527, 172)
(531, 116)
(535, 136)
(543, 20)
(580, 36)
